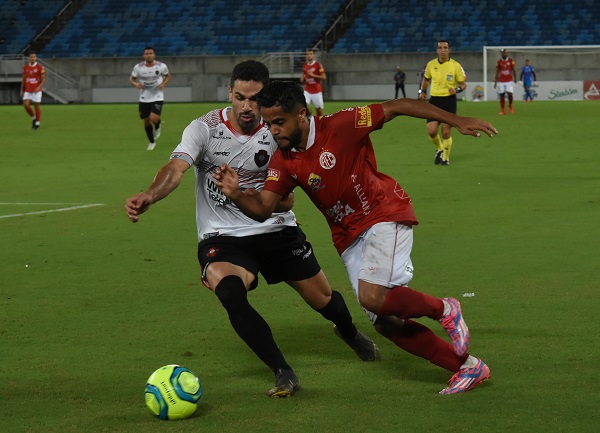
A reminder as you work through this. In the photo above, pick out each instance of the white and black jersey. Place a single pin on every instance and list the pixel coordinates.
(151, 78)
(209, 142)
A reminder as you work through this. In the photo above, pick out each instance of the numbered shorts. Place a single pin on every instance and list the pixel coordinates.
(380, 255)
(284, 255)
(315, 98)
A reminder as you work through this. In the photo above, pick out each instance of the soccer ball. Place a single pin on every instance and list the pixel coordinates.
(173, 392)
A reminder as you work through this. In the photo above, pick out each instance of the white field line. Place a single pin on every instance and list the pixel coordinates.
(64, 209)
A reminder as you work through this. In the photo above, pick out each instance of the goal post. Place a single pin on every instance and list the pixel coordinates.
(569, 72)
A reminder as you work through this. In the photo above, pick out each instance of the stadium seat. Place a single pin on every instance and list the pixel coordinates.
(187, 27)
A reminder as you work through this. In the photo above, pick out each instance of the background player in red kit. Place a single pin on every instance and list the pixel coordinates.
(312, 75)
(34, 77)
(370, 216)
(504, 80)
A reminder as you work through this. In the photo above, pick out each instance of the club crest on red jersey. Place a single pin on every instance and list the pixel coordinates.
(327, 160)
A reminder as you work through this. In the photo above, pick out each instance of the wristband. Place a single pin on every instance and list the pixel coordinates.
(420, 91)
(458, 89)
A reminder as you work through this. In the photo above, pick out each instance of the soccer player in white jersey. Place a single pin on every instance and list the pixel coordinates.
(233, 248)
(151, 77)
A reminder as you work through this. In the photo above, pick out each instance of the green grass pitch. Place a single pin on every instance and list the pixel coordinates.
(91, 304)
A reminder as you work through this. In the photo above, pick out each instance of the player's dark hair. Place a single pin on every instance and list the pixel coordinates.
(288, 95)
(442, 40)
(32, 52)
(150, 48)
(250, 70)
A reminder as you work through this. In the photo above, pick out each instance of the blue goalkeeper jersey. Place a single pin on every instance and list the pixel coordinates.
(528, 75)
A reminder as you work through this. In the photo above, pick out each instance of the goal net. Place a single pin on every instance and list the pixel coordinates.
(570, 72)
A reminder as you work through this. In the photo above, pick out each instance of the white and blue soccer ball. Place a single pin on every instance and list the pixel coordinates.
(173, 392)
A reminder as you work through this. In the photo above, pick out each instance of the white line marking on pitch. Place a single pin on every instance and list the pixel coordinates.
(64, 209)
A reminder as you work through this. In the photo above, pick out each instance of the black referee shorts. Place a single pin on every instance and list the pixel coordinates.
(446, 103)
(280, 256)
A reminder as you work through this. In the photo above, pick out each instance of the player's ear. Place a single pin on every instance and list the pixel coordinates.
(230, 93)
(302, 115)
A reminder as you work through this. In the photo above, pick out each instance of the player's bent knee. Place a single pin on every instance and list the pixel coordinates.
(231, 291)
(370, 299)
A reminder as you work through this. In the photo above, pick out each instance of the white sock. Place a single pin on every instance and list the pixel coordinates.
(446, 307)
(470, 362)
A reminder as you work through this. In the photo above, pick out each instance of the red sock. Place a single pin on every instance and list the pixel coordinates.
(38, 114)
(421, 341)
(407, 303)
(502, 103)
(29, 111)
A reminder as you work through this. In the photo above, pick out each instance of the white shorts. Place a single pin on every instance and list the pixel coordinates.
(380, 255)
(315, 98)
(34, 97)
(505, 87)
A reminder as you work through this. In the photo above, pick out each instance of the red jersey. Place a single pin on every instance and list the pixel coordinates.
(32, 74)
(312, 85)
(505, 70)
(338, 172)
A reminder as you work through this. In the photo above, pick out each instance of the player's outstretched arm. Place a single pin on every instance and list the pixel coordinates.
(257, 205)
(165, 182)
(415, 108)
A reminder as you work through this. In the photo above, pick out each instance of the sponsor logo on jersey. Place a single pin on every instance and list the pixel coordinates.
(363, 117)
(221, 136)
(327, 160)
(314, 182)
(272, 174)
(210, 235)
(222, 153)
(263, 138)
(339, 211)
(215, 194)
(261, 158)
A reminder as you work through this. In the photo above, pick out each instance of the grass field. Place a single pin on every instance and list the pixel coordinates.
(91, 304)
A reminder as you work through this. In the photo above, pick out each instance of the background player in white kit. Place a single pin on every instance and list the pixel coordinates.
(151, 77)
(233, 248)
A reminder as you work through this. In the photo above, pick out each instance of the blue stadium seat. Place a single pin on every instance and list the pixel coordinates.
(105, 28)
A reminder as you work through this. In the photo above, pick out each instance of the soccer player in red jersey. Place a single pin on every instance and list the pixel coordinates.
(34, 77)
(370, 216)
(312, 75)
(504, 80)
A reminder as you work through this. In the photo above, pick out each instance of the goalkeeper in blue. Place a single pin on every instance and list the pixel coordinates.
(528, 79)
